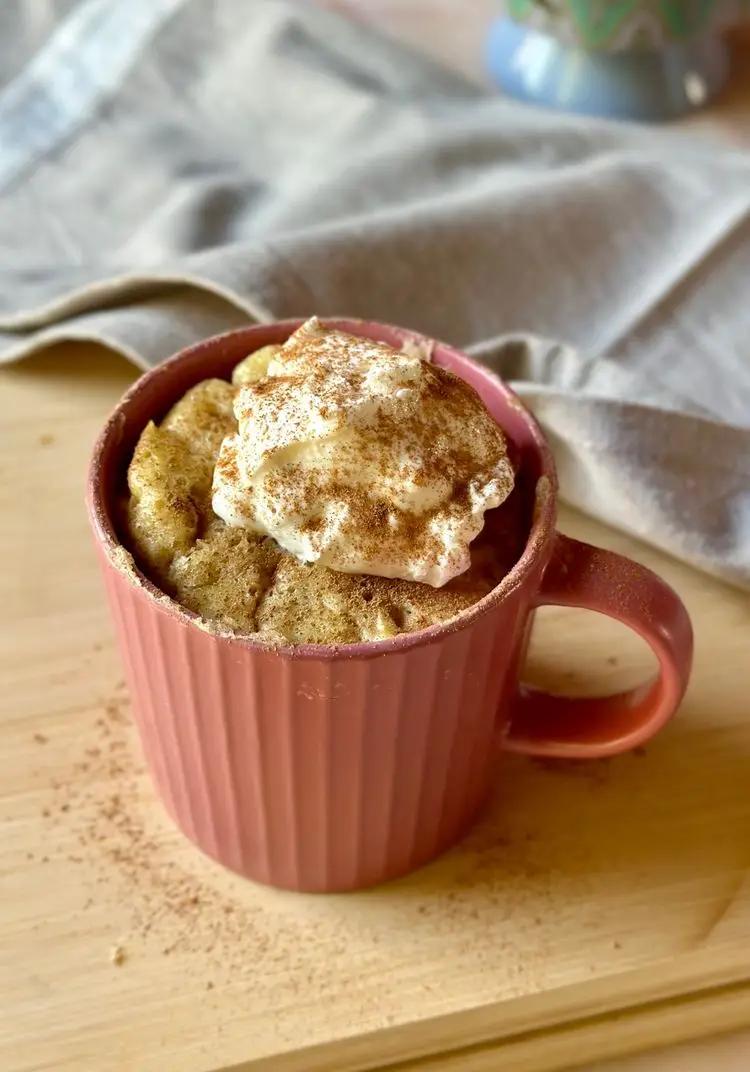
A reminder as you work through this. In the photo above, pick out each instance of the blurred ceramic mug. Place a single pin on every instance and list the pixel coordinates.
(638, 59)
(325, 768)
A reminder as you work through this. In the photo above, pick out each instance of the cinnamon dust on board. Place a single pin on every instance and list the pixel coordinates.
(169, 901)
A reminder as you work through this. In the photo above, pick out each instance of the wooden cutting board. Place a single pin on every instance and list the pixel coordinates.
(596, 909)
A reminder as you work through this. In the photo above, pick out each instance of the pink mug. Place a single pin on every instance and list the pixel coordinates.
(333, 768)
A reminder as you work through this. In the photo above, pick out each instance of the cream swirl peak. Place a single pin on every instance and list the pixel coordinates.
(362, 458)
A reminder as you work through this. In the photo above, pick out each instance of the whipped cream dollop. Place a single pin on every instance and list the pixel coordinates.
(362, 458)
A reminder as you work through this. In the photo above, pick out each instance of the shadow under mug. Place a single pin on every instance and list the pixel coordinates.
(325, 768)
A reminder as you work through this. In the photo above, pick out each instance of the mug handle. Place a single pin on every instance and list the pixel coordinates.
(579, 575)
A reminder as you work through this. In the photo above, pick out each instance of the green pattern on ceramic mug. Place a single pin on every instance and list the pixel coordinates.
(617, 24)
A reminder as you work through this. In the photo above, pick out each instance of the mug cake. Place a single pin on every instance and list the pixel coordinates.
(336, 490)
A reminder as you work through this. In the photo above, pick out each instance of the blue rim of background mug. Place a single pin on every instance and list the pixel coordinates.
(646, 85)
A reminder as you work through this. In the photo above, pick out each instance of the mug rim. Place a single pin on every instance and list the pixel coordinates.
(538, 540)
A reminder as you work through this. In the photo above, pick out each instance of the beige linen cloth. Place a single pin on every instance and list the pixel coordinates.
(174, 168)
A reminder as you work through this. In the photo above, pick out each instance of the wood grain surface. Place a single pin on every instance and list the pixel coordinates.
(616, 887)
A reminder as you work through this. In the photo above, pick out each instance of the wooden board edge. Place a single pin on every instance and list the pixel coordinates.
(568, 1046)
(696, 994)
